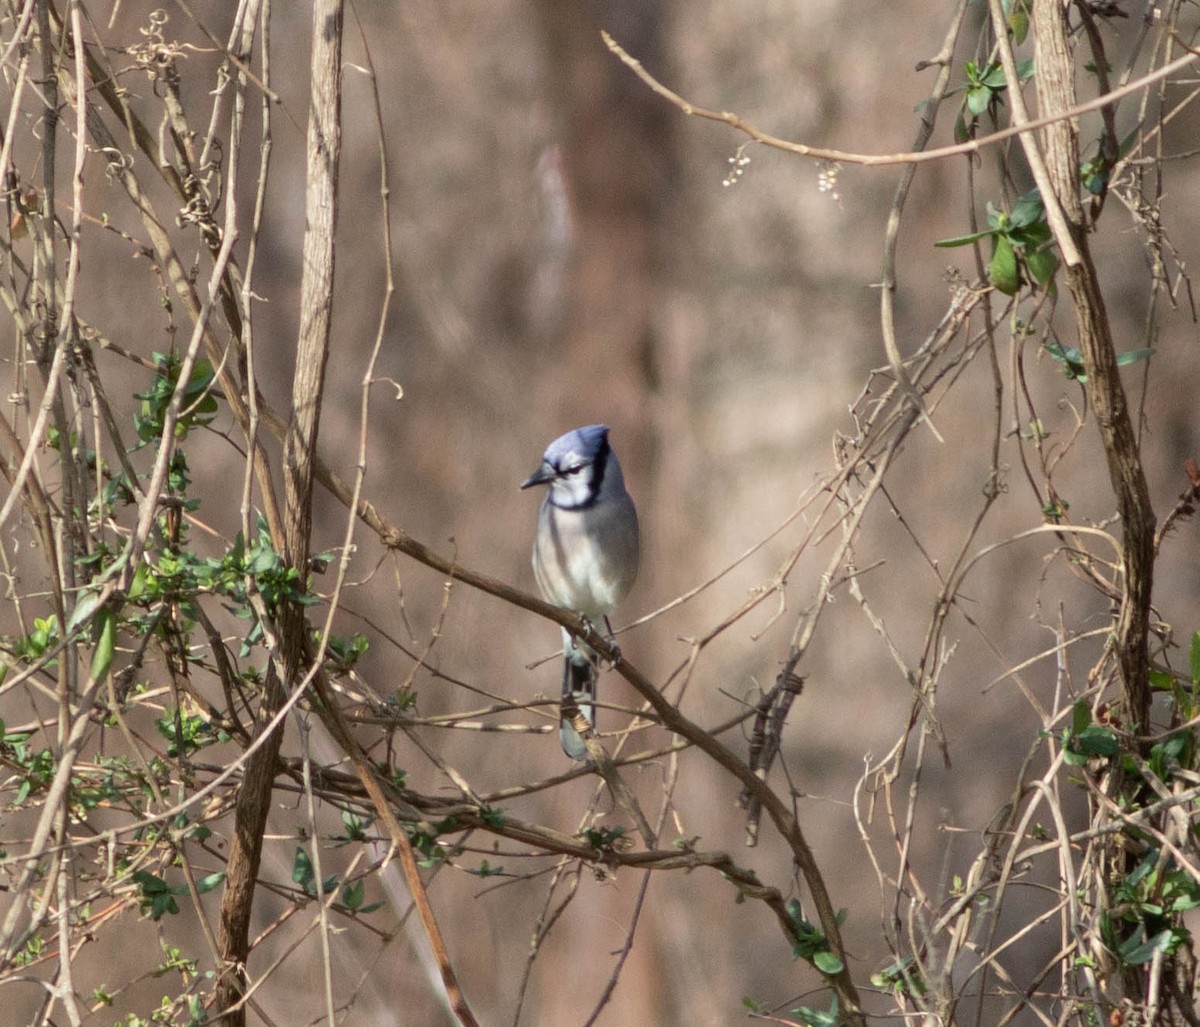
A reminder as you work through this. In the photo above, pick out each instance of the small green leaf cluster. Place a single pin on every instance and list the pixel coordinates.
(426, 843)
(1151, 900)
(353, 892)
(356, 829)
(983, 93)
(343, 653)
(603, 838)
(32, 648)
(187, 732)
(810, 943)
(157, 899)
(901, 978)
(1071, 359)
(805, 1015)
(1021, 245)
(36, 768)
(178, 576)
(185, 1010)
(1085, 740)
(199, 405)
(305, 876)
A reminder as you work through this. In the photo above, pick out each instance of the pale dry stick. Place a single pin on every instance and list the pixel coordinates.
(919, 898)
(65, 986)
(635, 917)
(547, 918)
(1051, 201)
(55, 795)
(1020, 830)
(10, 131)
(1067, 869)
(18, 481)
(249, 349)
(887, 292)
(334, 718)
(885, 883)
(314, 839)
(239, 61)
(175, 273)
(972, 146)
(289, 950)
(1055, 960)
(806, 625)
(1154, 987)
(55, 813)
(66, 317)
(1124, 818)
(236, 50)
(19, 30)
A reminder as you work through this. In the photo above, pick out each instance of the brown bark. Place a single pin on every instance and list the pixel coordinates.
(1056, 92)
(312, 350)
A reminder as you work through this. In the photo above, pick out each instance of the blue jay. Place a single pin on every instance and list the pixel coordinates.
(585, 552)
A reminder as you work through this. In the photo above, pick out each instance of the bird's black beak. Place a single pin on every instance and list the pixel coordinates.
(542, 475)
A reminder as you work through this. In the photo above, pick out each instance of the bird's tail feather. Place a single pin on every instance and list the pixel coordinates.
(579, 684)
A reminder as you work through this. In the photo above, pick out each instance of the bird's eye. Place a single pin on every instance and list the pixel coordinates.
(570, 471)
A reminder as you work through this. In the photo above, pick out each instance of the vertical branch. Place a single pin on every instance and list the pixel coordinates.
(1056, 94)
(316, 287)
(316, 292)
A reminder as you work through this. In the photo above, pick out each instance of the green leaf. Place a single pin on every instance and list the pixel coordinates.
(302, 870)
(1133, 953)
(827, 962)
(87, 605)
(137, 586)
(1070, 358)
(352, 894)
(106, 641)
(964, 240)
(1018, 23)
(1097, 741)
(1042, 264)
(1133, 356)
(1002, 272)
(210, 881)
(961, 132)
(1081, 717)
(818, 1017)
(978, 98)
(1028, 210)
(1161, 680)
(1195, 658)
(994, 78)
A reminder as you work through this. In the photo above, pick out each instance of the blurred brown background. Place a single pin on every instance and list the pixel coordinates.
(567, 252)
